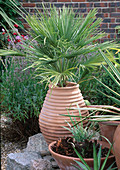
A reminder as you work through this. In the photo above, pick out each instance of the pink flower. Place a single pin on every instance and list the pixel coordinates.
(3, 33)
(14, 33)
(17, 37)
(8, 40)
(26, 37)
(16, 26)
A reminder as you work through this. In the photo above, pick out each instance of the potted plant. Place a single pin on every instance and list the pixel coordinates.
(114, 117)
(115, 137)
(80, 148)
(113, 114)
(59, 50)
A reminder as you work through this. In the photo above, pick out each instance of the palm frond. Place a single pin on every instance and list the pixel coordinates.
(59, 42)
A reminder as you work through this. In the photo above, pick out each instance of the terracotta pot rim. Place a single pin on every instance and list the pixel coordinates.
(115, 123)
(68, 157)
(72, 85)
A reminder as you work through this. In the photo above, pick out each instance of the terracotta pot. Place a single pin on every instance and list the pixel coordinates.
(57, 100)
(117, 146)
(107, 129)
(64, 162)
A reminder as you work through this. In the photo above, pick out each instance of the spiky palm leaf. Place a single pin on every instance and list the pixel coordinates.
(60, 42)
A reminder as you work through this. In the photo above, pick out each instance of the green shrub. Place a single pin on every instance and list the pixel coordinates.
(100, 98)
(89, 89)
(22, 95)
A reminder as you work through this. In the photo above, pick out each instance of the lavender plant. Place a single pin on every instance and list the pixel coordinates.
(23, 96)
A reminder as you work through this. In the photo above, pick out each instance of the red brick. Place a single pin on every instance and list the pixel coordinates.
(89, 4)
(78, 0)
(64, 0)
(28, 5)
(118, 9)
(108, 36)
(112, 20)
(106, 15)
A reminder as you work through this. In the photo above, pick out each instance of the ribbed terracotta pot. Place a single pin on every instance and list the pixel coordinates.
(107, 129)
(116, 146)
(57, 101)
(65, 162)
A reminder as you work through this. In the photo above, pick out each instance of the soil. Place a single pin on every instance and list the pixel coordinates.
(65, 147)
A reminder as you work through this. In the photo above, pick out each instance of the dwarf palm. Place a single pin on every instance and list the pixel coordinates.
(60, 43)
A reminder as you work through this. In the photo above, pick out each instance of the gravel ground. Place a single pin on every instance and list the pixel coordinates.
(7, 145)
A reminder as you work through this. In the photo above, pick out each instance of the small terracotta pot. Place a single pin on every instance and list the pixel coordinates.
(65, 162)
(116, 146)
(57, 101)
(107, 129)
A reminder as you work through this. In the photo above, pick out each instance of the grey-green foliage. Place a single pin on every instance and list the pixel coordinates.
(79, 132)
(63, 42)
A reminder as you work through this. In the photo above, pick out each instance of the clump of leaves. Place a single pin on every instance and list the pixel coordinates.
(63, 42)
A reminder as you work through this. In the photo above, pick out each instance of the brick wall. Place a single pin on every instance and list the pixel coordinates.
(109, 10)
